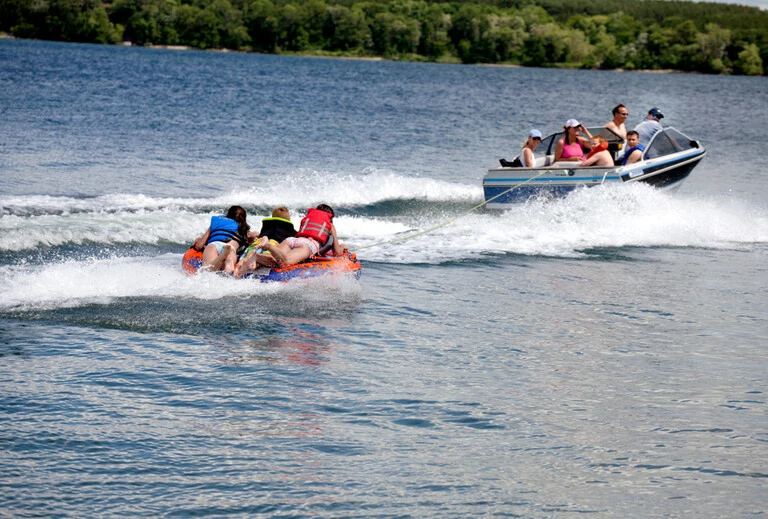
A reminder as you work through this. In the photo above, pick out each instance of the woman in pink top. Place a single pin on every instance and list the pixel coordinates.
(571, 147)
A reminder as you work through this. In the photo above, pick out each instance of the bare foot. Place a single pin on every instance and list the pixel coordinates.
(266, 260)
(246, 265)
(277, 255)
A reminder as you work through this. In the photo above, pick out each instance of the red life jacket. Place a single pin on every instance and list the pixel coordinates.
(597, 149)
(317, 225)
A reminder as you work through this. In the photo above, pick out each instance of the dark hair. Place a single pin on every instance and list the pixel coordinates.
(326, 208)
(238, 214)
(616, 109)
(633, 132)
(566, 140)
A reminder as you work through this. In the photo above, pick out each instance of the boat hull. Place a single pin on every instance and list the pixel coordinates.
(505, 186)
(346, 264)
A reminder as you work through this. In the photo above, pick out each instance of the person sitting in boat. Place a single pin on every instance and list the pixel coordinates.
(617, 124)
(526, 159)
(276, 228)
(571, 147)
(314, 231)
(650, 125)
(222, 239)
(635, 149)
(599, 154)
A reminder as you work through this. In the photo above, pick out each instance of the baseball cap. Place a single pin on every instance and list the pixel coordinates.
(655, 112)
(534, 133)
(572, 123)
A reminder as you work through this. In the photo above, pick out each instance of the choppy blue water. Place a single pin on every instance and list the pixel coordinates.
(603, 355)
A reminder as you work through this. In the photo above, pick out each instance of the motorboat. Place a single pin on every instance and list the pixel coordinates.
(669, 158)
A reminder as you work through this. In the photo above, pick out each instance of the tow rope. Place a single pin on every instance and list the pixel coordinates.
(426, 231)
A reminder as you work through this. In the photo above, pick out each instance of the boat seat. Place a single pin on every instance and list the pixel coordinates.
(545, 161)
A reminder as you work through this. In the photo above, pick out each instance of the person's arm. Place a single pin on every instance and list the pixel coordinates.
(338, 248)
(559, 149)
(252, 235)
(636, 156)
(202, 240)
(590, 161)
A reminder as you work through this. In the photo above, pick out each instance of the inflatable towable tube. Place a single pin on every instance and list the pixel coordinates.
(347, 263)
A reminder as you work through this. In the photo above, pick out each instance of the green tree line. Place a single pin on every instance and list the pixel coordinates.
(642, 34)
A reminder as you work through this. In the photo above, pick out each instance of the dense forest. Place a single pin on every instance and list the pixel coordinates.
(627, 34)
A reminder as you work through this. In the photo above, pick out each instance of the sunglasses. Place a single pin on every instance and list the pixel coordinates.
(625, 115)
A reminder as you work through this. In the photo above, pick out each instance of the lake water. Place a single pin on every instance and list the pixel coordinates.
(604, 355)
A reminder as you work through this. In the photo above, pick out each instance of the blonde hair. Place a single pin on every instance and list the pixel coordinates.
(599, 138)
(281, 212)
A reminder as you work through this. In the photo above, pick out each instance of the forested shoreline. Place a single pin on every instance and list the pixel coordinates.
(641, 35)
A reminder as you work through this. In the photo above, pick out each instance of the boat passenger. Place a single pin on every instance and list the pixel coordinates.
(314, 231)
(571, 147)
(599, 155)
(635, 150)
(617, 124)
(526, 159)
(276, 228)
(222, 239)
(649, 126)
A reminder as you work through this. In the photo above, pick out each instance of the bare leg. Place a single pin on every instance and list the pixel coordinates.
(245, 265)
(223, 259)
(266, 260)
(210, 255)
(230, 260)
(249, 262)
(284, 255)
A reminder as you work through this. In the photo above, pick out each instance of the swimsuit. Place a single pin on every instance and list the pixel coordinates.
(314, 245)
(572, 150)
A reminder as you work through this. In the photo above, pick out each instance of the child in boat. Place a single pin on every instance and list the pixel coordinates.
(599, 155)
(315, 230)
(222, 239)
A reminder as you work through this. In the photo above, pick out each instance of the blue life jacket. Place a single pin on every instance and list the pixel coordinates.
(224, 229)
(630, 151)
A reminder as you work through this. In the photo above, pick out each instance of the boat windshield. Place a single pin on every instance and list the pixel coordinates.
(680, 141)
(660, 145)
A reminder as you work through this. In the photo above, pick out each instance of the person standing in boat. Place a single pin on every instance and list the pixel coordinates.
(649, 126)
(224, 236)
(634, 149)
(618, 124)
(571, 147)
